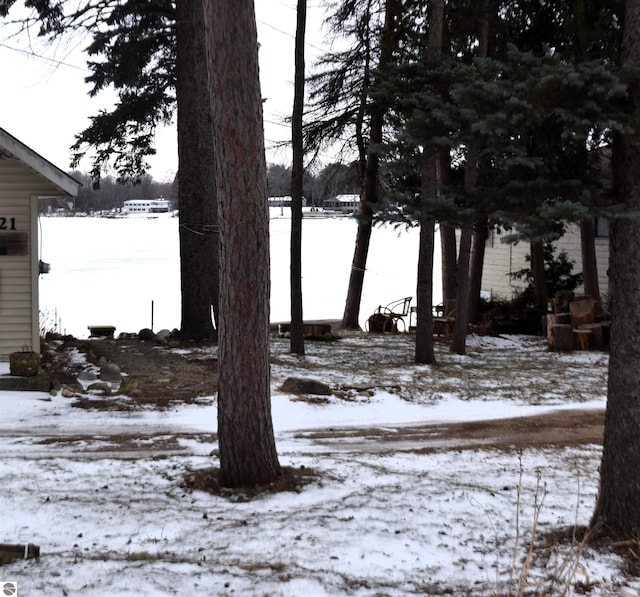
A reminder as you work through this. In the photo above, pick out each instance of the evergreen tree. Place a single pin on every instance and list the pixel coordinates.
(197, 189)
(342, 110)
(134, 45)
(530, 115)
(617, 510)
(248, 454)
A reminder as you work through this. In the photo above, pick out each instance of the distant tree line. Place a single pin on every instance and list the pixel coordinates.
(110, 195)
(334, 179)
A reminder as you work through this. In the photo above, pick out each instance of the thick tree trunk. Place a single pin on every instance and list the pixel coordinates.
(297, 175)
(248, 454)
(618, 506)
(197, 200)
(369, 197)
(424, 353)
(589, 263)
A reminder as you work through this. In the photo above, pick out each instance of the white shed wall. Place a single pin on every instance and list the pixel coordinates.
(19, 317)
(502, 259)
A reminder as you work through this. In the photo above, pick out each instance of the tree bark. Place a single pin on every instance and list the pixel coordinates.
(248, 454)
(297, 175)
(424, 353)
(449, 249)
(448, 242)
(538, 275)
(459, 340)
(369, 197)
(197, 200)
(589, 263)
(478, 246)
(618, 507)
(479, 230)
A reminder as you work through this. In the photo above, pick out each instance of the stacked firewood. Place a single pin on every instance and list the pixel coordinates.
(577, 323)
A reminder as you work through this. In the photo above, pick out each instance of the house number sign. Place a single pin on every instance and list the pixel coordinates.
(7, 223)
(11, 241)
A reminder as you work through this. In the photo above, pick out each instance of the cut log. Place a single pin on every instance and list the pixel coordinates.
(583, 311)
(597, 337)
(102, 331)
(554, 319)
(18, 551)
(551, 321)
(582, 339)
(310, 330)
(562, 336)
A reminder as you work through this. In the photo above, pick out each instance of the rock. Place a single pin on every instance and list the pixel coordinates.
(166, 334)
(87, 376)
(100, 386)
(162, 340)
(146, 335)
(90, 356)
(71, 390)
(130, 386)
(305, 385)
(110, 372)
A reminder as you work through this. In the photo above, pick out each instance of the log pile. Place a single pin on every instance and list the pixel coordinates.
(577, 323)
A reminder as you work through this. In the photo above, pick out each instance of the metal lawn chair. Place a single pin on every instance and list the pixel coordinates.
(390, 318)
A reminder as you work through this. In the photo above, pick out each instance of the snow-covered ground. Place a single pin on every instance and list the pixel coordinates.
(379, 519)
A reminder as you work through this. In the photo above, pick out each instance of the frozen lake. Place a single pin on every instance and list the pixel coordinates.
(118, 271)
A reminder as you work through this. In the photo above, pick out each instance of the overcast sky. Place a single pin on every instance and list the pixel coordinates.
(44, 100)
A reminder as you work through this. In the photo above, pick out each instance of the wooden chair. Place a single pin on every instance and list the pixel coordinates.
(445, 318)
(583, 311)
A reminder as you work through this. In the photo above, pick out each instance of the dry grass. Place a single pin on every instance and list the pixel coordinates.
(489, 372)
(209, 480)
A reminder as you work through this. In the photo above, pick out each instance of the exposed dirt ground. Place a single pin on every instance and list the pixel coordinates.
(158, 375)
(185, 373)
(565, 428)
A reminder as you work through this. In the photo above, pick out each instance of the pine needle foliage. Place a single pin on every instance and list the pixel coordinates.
(541, 120)
(132, 46)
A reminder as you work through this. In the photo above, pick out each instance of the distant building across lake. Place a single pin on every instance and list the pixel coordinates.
(146, 206)
(346, 204)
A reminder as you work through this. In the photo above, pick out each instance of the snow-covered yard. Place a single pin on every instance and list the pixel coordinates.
(378, 518)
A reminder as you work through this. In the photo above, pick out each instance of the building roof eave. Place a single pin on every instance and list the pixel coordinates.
(10, 147)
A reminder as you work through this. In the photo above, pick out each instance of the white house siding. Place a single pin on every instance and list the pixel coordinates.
(502, 259)
(19, 318)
